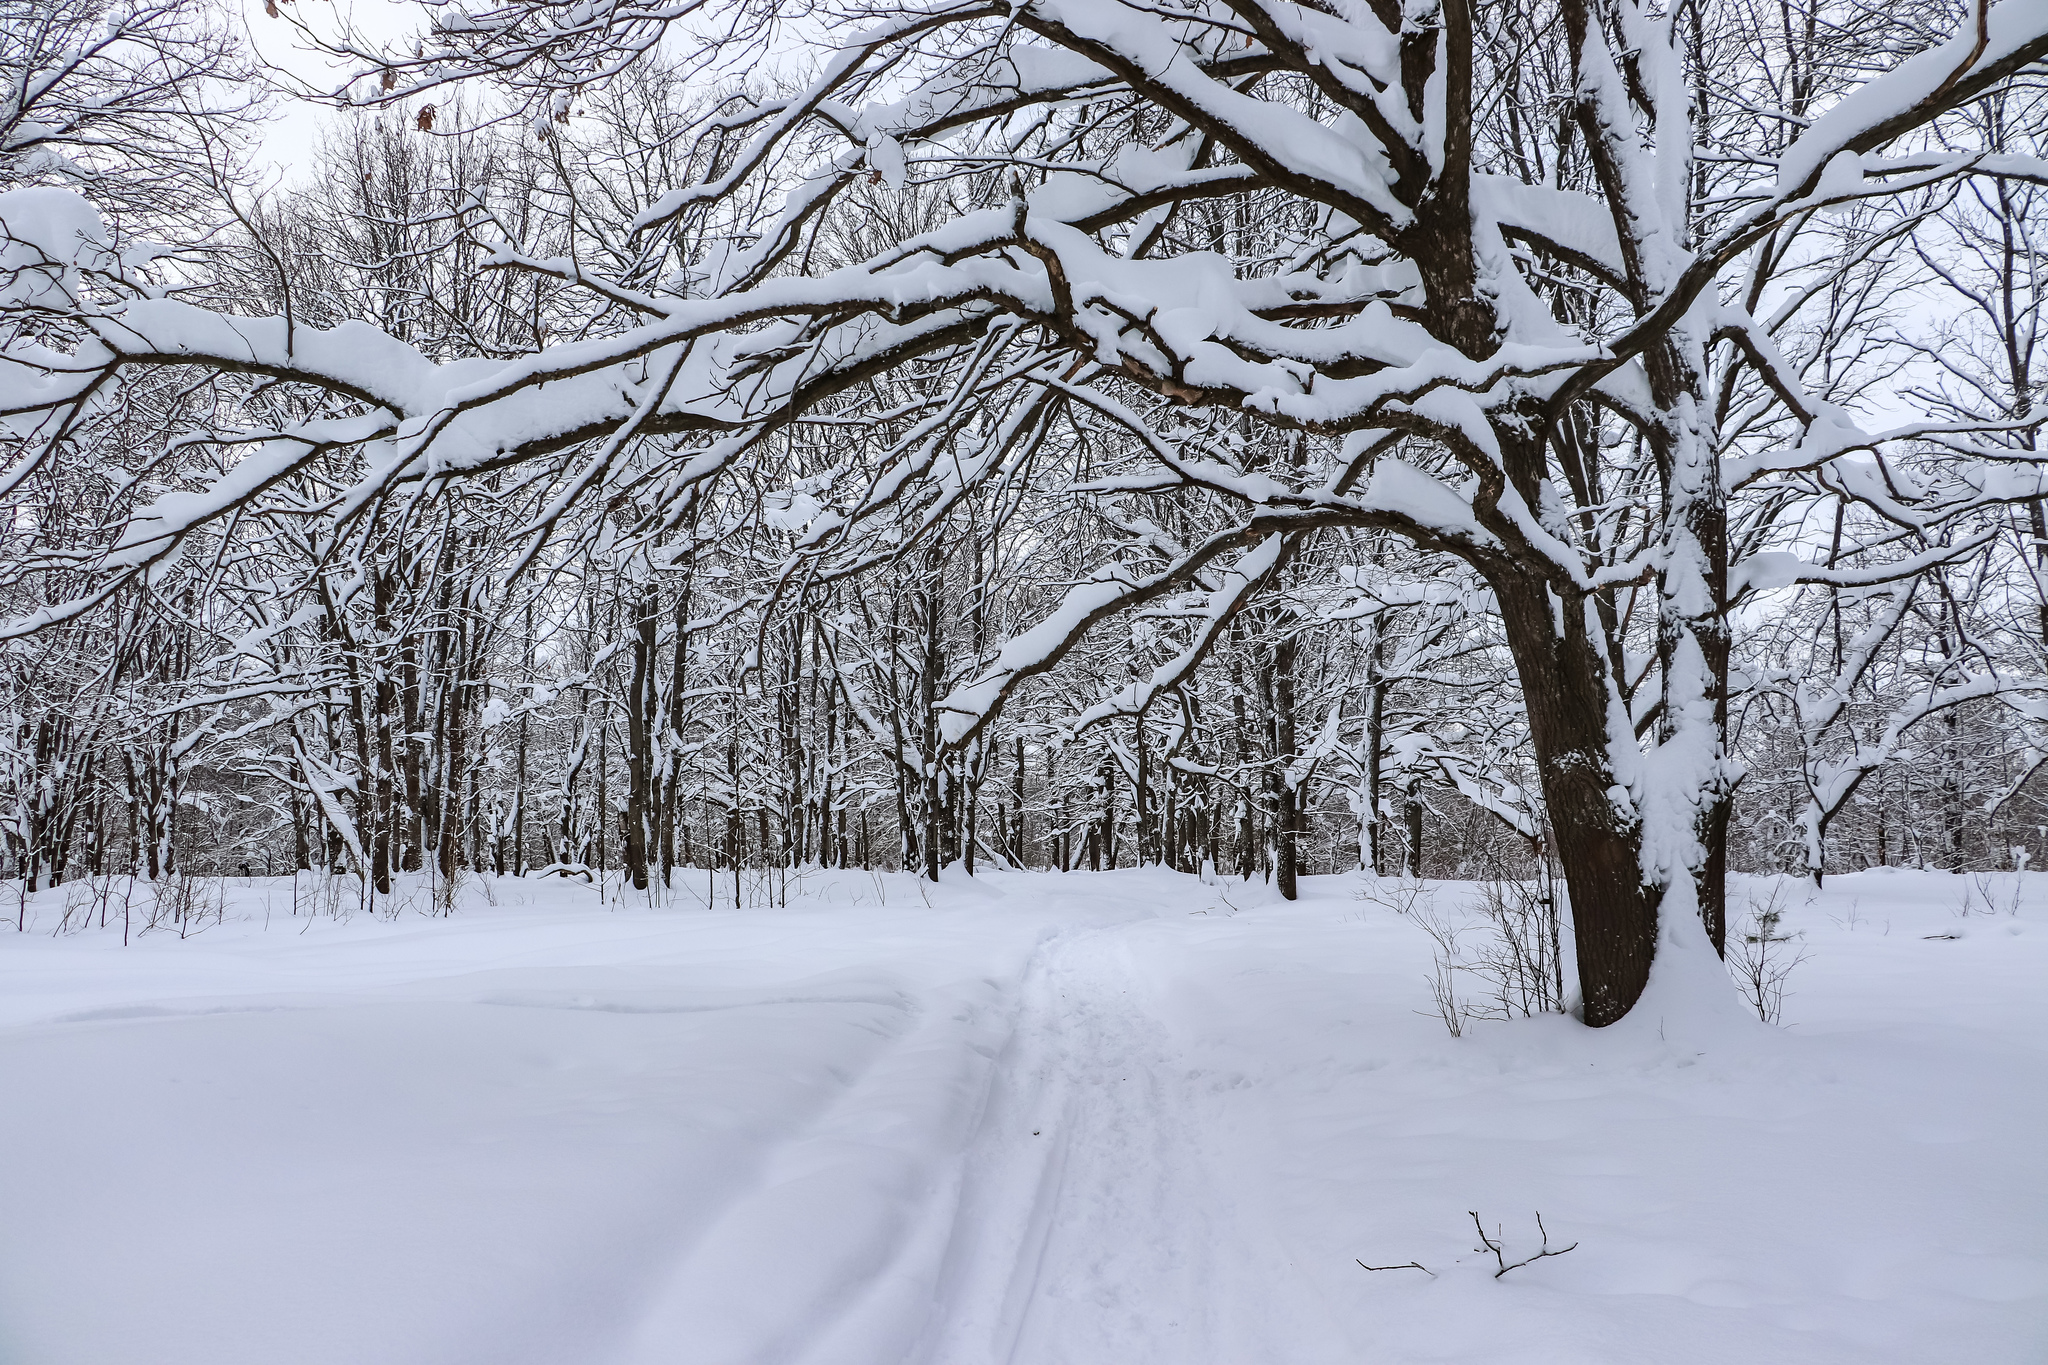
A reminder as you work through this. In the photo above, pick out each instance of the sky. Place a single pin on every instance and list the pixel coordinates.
(293, 129)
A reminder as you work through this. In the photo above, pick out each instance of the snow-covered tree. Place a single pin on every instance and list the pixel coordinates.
(1500, 280)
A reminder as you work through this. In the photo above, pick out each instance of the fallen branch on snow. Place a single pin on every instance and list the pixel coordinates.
(1501, 1260)
(1412, 1265)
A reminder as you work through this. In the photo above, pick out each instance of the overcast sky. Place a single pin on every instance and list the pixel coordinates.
(294, 126)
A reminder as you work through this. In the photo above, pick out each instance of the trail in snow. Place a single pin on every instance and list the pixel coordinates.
(1098, 1223)
(1030, 1121)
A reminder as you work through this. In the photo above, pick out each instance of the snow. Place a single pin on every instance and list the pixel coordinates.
(2006, 29)
(1564, 219)
(885, 155)
(1351, 174)
(1047, 1120)
(45, 235)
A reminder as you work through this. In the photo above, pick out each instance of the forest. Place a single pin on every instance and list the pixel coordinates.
(1556, 438)
(1023, 682)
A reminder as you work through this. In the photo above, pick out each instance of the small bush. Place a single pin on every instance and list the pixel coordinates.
(1762, 955)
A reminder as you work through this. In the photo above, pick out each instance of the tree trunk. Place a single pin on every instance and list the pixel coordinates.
(642, 816)
(1287, 801)
(1599, 843)
(1411, 813)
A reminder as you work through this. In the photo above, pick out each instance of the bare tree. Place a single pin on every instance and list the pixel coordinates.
(1485, 278)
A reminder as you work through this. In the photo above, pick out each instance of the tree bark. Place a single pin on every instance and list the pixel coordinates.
(1599, 843)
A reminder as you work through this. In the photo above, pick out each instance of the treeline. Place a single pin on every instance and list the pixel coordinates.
(629, 650)
(423, 709)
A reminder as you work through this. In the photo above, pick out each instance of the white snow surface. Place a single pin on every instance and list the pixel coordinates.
(1043, 1120)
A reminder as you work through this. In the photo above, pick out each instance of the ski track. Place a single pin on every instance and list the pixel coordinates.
(1088, 1127)
(1028, 1175)
(1098, 1222)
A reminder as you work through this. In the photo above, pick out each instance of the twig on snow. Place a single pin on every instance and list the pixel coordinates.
(1495, 1247)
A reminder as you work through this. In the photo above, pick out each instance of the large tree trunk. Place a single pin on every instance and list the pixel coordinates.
(1599, 841)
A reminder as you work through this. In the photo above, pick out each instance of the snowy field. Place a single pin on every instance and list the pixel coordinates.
(1085, 1120)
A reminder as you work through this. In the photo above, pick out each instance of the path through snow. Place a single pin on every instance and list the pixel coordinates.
(1100, 1221)
(1027, 1121)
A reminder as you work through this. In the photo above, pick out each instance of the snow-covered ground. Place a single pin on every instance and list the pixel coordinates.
(1041, 1120)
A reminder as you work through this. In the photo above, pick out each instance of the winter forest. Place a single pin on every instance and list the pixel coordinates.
(1558, 472)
